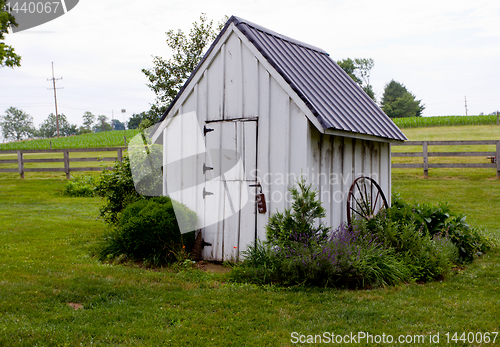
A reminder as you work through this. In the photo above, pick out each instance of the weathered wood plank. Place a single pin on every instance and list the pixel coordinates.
(94, 168)
(9, 170)
(8, 161)
(406, 166)
(462, 165)
(61, 160)
(91, 159)
(45, 169)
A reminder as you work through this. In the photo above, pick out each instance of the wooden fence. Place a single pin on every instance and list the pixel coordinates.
(20, 161)
(425, 154)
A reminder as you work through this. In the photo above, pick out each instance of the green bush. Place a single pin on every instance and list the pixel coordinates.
(425, 257)
(297, 221)
(117, 188)
(440, 220)
(298, 252)
(80, 186)
(147, 230)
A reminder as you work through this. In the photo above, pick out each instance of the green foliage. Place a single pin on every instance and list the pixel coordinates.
(425, 258)
(80, 186)
(48, 128)
(16, 124)
(117, 188)
(440, 221)
(398, 102)
(299, 219)
(8, 57)
(359, 70)
(147, 230)
(102, 124)
(419, 122)
(88, 120)
(405, 242)
(298, 252)
(168, 76)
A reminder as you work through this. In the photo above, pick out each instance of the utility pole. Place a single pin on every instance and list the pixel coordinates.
(466, 105)
(55, 96)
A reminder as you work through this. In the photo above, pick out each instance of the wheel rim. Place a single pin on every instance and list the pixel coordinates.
(365, 200)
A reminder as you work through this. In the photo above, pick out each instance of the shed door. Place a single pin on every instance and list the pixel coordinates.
(229, 199)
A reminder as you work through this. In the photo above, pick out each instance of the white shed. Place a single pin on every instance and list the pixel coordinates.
(287, 109)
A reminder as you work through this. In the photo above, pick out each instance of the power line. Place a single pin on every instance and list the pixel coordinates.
(53, 79)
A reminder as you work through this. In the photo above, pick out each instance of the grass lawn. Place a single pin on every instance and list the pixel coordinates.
(47, 270)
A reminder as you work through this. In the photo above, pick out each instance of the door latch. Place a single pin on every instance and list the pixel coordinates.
(260, 199)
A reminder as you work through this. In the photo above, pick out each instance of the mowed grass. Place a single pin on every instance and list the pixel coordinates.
(94, 140)
(46, 269)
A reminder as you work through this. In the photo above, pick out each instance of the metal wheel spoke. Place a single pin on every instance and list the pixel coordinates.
(366, 206)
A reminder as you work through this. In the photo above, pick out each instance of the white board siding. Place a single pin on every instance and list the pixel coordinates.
(336, 161)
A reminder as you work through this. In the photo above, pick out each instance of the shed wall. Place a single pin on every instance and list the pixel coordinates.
(236, 85)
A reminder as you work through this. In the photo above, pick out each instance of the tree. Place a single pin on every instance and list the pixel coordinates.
(117, 125)
(359, 70)
(102, 124)
(16, 124)
(168, 76)
(48, 128)
(398, 102)
(88, 120)
(136, 119)
(8, 57)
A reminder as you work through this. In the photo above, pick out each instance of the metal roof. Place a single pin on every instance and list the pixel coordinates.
(333, 97)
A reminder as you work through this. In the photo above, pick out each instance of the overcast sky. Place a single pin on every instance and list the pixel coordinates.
(441, 50)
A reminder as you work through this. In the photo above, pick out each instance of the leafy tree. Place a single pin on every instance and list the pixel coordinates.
(117, 125)
(88, 120)
(102, 124)
(8, 57)
(136, 119)
(168, 76)
(359, 70)
(48, 128)
(16, 124)
(397, 101)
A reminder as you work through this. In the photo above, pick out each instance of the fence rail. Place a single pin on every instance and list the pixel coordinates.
(425, 154)
(66, 160)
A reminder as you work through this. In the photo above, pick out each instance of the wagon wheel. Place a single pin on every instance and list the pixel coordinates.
(365, 199)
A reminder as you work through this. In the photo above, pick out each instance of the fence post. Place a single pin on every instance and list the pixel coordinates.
(426, 159)
(498, 123)
(66, 164)
(20, 163)
(120, 155)
(498, 159)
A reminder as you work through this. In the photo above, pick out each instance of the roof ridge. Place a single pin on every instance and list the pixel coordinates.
(260, 28)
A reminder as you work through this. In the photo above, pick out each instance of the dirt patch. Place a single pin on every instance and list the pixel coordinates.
(75, 305)
(213, 267)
